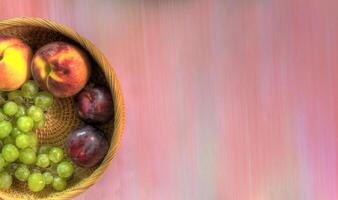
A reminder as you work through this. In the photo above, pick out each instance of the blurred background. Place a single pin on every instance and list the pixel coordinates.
(225, 99)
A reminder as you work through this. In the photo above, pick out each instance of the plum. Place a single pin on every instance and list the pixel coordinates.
(86, 146)
(95, 105)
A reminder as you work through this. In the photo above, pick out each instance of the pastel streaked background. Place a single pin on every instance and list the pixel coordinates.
(225, 99)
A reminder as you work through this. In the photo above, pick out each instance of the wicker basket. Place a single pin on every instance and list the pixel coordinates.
(61, 118)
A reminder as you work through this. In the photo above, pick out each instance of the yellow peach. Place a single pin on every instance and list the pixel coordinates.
(15, 57)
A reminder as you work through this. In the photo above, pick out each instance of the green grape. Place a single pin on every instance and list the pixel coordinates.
(21, 111)
(22, 141)
(55, 154)
(2, 162)
(5, 129)
(22, 173)
(33, 138)
(10, 108)
(59, 183)
(12, 95)
(3, 116)
(25, 124)
(35, 113)
(11, 167)
(65, 169)
(42, 161)
(35, 149)
(9, 140)
(44, 148)
(5, 180)
(36, 182)
(40, 123)
(29, 89)
(16, 96)
(43, 100)
(10, 153)
(27, 156)
(48, 177)
(15, 132)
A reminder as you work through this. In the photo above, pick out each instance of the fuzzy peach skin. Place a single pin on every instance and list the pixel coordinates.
(15, 58)
(60, 68)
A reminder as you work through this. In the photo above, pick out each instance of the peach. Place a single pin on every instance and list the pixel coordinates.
(60, 68)
(15, 57)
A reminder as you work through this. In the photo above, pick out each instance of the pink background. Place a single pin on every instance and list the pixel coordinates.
(225, 99)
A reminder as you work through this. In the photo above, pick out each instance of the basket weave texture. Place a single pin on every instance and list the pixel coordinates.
(61, 118)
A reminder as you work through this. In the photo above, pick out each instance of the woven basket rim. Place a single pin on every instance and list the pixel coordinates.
(119, 119)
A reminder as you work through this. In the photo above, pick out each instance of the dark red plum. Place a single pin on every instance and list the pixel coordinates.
(95, 105)
(86, 146)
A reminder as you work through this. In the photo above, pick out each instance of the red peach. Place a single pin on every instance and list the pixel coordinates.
(60, 68)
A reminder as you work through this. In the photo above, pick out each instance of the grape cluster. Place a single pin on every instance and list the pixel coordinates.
(21, 113)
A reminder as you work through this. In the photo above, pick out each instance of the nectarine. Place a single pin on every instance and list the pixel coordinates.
(60, 68)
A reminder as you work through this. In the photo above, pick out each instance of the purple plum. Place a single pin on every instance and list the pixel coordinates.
(95, 105)
(86, 146)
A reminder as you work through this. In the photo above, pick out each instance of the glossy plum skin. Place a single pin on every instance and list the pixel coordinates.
(86, 146)
(95, 105)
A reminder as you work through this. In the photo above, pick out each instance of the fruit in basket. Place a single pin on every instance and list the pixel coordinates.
(16, 96)
(65, 169)
(36, 182)
(59, 183)
(5, 129)
(25, 124)
(86, 146)
(43, 100)
(42, 161)
(27, 156)
(22, 141)
(10, 108)
(15, 58)
(21, 112)
(36, 113)
(60, 68)
(55, 154)
(5, 180)
(95, 104)
(29, 89)
(22, 173)
(48, 177)
(10, 153)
